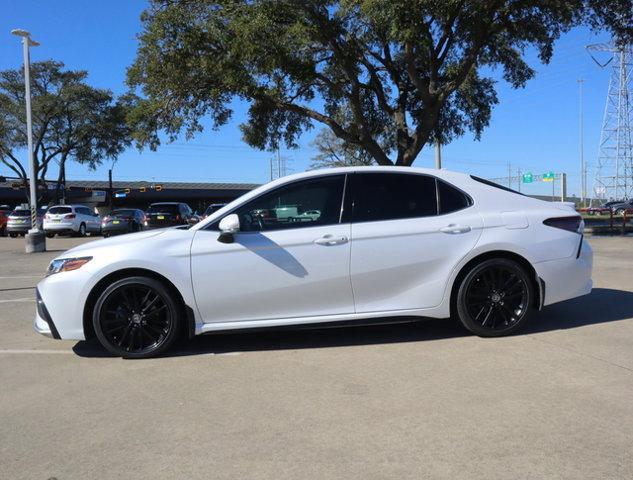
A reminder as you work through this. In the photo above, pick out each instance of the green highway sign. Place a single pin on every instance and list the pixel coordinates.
(548, 177)
(528, 177)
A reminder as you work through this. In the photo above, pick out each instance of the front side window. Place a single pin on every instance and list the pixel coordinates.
(392, 196)
(306, 203)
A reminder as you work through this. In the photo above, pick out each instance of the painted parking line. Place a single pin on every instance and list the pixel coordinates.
(17, 351)
(29, 299)
(20, 276)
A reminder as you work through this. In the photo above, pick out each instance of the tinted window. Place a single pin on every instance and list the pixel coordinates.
(163, 208)
(20, 213)
(305, 203)
(390, 196)
(60, 210)
(451, 199)
(123, 213)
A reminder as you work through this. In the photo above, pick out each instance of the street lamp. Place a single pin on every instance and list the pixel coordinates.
(35, 238)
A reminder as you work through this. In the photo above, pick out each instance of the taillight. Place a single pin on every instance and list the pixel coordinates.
(70, 216)
(177, 218)
(47, 216)
(571, 224)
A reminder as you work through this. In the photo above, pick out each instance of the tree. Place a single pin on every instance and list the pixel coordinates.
(71, 120)
(420, 69)
(334, 152)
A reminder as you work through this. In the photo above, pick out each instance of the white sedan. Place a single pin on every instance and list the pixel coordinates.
(388, 242)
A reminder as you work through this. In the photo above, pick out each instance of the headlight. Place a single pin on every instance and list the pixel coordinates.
(66, 264)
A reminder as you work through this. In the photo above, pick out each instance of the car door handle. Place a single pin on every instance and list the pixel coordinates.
(329, 240)
(453, 228)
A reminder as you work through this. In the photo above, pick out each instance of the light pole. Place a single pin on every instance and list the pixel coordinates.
(35, 239)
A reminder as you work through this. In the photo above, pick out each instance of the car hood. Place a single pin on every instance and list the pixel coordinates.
(113, 242)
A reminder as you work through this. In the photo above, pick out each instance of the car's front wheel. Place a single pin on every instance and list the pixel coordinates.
(495, 298)
(136, 317)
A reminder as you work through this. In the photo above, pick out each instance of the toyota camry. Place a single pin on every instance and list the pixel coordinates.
(335, 246)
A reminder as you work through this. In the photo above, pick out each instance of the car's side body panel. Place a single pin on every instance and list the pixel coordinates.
(276, 274)
(404, 264)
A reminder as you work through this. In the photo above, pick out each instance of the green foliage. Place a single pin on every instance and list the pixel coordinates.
(409, 69)
(71, 119)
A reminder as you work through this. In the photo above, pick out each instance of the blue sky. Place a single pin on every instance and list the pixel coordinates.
(535, 129)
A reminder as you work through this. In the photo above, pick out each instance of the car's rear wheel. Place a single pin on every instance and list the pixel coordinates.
(82, 230)
(50, 235)
(495, 298)
(136, 317)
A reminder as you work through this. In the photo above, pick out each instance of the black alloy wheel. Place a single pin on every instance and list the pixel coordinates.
(136, 317)
(495, 298)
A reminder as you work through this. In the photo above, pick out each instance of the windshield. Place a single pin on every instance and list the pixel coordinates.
(60, 210)
(163, 208)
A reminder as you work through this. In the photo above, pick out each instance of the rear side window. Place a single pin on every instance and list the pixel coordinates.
(60, 210)
(392, 196)
(451, 199)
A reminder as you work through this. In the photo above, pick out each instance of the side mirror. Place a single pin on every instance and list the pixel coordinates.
(229, 226)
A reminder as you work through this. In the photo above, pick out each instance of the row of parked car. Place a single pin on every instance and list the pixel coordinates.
(81, 220)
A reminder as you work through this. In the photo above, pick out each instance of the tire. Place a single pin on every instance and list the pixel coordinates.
(124, 330)
(106, 234)
(50, 235)
(82, 230)
(495, 298)
(13, 235)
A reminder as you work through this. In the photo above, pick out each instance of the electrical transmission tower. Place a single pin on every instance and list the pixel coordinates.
(614, 171)
(278, 166)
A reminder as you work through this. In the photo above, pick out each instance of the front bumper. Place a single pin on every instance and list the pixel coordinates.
(43, 323)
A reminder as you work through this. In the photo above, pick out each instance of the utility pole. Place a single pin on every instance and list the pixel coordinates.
(438, 155)
(110, 193)
(519, 177)
(563, 186)
(509, 175)
(583, 172)
(35, 238)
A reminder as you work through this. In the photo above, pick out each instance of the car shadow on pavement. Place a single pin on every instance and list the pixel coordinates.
(601, 306)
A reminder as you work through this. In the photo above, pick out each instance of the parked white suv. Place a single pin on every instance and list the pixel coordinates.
(71, 219)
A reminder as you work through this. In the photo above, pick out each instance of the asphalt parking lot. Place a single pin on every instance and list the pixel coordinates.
(417, 401)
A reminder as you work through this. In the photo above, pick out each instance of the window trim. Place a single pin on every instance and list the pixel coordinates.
(215, 226)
